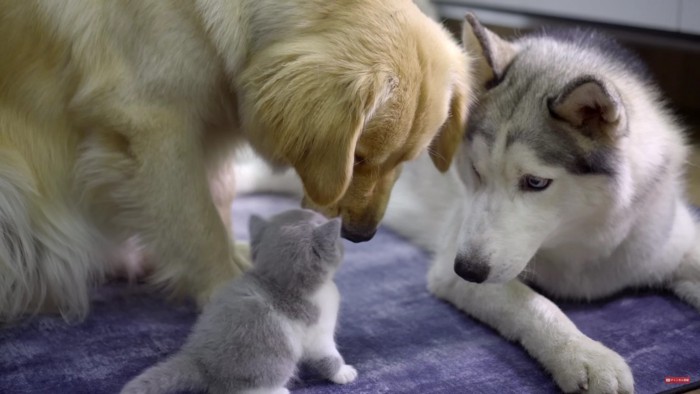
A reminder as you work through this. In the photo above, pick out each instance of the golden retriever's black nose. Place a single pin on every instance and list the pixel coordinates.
(357, 237)
(472, 267)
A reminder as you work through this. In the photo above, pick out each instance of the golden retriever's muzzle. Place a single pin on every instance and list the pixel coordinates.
(353, 230)
(363, 205)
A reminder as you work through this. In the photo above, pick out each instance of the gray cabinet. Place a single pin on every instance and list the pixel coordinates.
(690, 16)
(668, 15)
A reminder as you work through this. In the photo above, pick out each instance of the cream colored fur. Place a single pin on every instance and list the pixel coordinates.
(117, 120)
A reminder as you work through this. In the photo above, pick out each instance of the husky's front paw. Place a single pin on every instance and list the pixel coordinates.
(686, 283)
(346, 374)
(587, 366)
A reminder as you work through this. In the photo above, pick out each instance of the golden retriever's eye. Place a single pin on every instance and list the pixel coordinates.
(359, 159)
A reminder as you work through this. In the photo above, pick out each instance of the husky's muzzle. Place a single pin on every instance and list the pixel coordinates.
(472, 267)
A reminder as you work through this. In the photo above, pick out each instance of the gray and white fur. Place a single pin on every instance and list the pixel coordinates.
(256, 329)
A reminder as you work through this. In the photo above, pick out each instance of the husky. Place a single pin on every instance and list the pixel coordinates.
(570, 180)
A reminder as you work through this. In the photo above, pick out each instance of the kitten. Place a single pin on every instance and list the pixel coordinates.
(257, 328)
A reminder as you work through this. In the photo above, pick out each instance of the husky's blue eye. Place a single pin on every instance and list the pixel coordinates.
(533, 183)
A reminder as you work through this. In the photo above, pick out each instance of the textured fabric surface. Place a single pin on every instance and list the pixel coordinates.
(399, 338)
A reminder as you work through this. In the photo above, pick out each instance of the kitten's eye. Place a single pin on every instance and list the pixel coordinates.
(531, 183)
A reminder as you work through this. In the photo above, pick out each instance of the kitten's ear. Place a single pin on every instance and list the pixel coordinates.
(256, 225)
(325, 235)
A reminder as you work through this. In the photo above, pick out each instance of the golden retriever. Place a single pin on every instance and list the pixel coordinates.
(118, 119)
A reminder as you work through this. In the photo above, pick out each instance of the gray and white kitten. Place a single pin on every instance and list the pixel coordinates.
(257, 328)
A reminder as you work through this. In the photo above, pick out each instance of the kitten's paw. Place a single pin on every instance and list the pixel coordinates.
(346, 374)
(587, 366)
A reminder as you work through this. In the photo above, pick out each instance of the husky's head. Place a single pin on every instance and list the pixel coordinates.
(542, 156)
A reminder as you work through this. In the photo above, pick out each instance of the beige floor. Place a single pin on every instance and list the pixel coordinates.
(693, 175)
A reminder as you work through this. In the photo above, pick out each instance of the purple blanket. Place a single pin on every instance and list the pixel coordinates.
(400, 339)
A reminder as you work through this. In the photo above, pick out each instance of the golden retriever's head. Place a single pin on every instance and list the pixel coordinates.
(348, 99)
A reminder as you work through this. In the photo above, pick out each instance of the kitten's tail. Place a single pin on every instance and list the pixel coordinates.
(178, 373)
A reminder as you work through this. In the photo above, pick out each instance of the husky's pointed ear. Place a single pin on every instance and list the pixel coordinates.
(590, 105)
(325, 235)
(491, 53)
(256, 225)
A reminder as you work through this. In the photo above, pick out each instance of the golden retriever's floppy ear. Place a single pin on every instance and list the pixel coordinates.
(333, 126)
(309, 109)
(325, 164)
(487, 59)
(442, 149)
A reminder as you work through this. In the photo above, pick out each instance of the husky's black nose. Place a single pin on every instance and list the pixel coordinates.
(472, 267)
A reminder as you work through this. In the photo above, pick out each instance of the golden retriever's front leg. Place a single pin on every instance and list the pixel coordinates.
(167, 201)
(223, 189)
